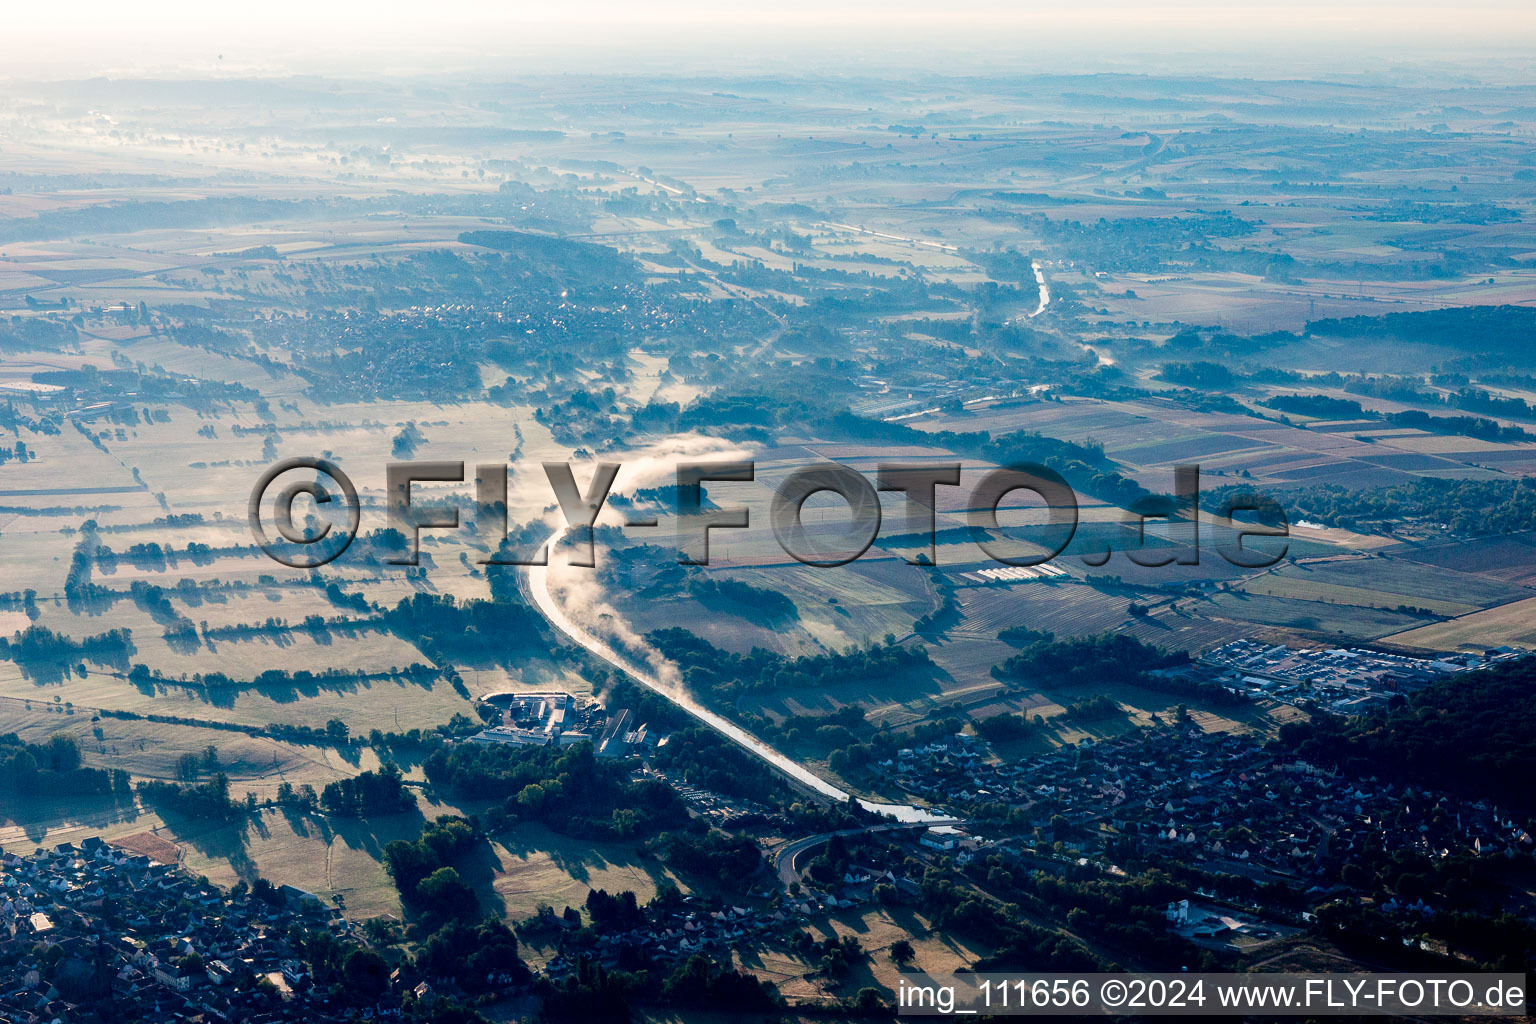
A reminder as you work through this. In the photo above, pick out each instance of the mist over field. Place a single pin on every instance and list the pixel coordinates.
(625, 512)
(87, 38)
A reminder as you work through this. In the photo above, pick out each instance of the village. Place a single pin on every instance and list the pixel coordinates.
(95, 933)
(1219, 801)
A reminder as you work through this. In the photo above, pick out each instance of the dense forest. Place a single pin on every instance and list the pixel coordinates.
(1492, 332)
(703, 757)
(1330, 408)
(567, 788)
(1470, 735)
(54, 769)
(367, 793)
(1459, 508)
(1107, 657)
(424, 871)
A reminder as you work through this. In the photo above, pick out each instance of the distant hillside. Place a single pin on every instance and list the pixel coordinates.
(560, 255)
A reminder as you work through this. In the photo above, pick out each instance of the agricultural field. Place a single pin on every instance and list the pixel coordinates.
(1384, 582)
(1510, 559)
(1493, 627)
(1318, 617)
(536, 867)
(876, 931)
(1319, 292)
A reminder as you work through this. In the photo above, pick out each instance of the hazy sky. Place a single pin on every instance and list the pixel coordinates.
(76, 37)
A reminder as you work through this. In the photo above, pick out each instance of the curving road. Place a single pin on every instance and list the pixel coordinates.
(538, 588)
(785, 861)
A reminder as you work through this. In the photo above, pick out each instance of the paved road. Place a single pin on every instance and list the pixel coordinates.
(538, 584)
(785, 861)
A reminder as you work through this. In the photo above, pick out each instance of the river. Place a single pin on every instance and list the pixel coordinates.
(1045, 289)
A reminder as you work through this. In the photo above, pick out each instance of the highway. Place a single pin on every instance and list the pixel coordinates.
(784, 862)
(538, 583)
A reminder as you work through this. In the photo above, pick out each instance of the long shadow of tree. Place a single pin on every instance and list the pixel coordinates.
(226, 840)
(37, 816)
